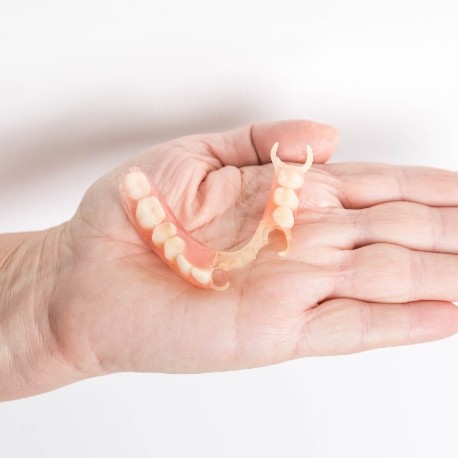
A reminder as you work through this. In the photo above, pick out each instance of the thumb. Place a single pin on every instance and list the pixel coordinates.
(293, 137)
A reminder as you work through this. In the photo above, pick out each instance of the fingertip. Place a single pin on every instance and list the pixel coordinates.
(436, 319)
(329, 138)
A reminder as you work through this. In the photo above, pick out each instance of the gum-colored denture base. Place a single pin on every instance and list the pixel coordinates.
(189, 258)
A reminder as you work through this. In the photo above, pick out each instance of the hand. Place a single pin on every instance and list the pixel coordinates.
(374, 260)
(373, 256)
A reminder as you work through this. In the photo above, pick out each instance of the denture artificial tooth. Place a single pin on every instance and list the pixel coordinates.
(136, 185)
(162, 232)
(173, 247)
(183, 264)
(290, 179)
(149, 212)
(203, 276)
(286, 197)
(283, 216)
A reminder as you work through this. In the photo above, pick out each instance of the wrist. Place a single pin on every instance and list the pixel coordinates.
(31, 361)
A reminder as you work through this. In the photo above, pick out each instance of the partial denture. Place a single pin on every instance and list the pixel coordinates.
(192, 260)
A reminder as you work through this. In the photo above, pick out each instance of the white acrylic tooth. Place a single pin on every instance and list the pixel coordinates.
(202, 276)
(183, 264)
(290, 179)
(162, 232)
(285, 197)
(283, 216)
(136, 185)
(173, 247)
(149, 212)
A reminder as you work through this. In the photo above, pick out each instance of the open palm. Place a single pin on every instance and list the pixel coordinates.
(354, 279)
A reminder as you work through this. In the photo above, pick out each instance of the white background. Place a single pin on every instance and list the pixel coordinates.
(84, 85)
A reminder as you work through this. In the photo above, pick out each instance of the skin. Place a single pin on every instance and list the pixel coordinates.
(374, 263)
